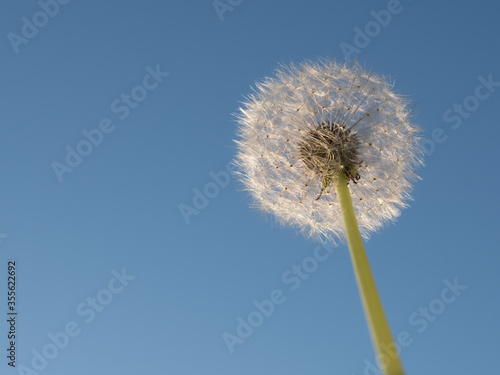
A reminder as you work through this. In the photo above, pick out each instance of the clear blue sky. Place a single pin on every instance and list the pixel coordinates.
(183, 68)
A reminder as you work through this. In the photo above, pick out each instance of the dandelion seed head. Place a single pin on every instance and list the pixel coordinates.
(312, 121)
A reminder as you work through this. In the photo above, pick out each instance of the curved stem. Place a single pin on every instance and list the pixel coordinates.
(377, 322)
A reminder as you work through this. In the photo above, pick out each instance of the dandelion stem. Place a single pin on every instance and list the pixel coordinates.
(377, 322)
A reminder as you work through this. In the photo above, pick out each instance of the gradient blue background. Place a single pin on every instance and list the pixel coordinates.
(120, 207)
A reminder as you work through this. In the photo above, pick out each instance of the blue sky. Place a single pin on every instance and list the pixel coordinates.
(104, 254)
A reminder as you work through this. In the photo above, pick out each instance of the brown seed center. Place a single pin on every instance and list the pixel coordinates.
(330, 149)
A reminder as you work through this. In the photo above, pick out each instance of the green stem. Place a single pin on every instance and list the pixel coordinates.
(377, 322)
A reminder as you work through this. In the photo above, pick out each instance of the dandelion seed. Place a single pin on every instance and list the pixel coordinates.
(346, 134)
(349, 120)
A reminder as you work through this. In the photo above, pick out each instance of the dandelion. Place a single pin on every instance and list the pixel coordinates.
(330, 149)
